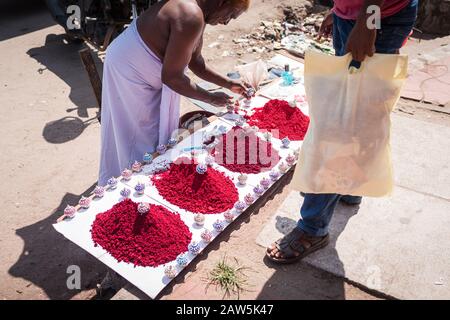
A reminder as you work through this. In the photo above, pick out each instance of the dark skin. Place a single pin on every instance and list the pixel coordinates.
(361, 41)
(173, 30)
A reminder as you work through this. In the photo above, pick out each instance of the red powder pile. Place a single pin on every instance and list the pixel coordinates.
(279, 115)
(181, 185)
(247, 154)
(144, 240)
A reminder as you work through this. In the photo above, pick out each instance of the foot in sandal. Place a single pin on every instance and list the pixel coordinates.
(295, 246)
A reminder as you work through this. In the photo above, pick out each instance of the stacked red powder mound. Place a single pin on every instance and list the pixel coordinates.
(145, 240)
(279, 115)
(247, 153)
(211, 192)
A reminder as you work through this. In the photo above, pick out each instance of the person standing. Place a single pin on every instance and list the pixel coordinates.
(348, 23)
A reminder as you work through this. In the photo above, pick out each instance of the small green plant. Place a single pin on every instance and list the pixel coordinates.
(230, 278)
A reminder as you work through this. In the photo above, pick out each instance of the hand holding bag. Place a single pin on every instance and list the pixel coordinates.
(347, 147)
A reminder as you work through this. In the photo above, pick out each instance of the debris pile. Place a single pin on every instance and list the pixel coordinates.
(296, 31)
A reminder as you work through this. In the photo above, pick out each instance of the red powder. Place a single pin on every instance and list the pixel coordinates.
(181, 185)
(278, 114)
(144, 240)
(247, 153)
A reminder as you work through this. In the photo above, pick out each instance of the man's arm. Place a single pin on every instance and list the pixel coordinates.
(184, 34)
(361, 41)
(201, 69)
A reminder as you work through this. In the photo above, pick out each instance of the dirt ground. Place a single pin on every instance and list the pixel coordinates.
(50, 150)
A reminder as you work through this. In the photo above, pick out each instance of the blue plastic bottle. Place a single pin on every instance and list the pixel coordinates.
(288, 77)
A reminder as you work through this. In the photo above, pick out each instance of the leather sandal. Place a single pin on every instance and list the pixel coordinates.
(295, 246)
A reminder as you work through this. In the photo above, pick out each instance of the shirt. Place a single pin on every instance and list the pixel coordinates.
(350, 9)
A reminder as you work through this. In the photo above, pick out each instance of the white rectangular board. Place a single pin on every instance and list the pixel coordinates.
(151, 280)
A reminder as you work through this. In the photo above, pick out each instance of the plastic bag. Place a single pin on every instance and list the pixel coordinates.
(347, 147)
(253, 73)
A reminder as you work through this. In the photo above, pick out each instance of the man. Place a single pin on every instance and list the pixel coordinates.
(144, 75)
(351, 33)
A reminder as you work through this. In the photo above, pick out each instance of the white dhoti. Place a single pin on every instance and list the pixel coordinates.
(138, 110)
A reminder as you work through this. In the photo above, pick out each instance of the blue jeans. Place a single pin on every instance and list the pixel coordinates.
(317, 209)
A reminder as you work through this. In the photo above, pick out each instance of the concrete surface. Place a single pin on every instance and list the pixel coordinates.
(428, 71)
(397, 245)
(421, 156)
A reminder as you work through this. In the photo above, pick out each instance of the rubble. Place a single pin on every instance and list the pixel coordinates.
(297, 29)
(296, 14)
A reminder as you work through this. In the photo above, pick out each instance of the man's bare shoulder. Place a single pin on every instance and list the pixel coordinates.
(187, 13)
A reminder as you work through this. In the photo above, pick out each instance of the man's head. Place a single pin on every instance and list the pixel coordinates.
(226, 10)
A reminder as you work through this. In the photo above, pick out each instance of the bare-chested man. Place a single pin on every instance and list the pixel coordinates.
(144, 74)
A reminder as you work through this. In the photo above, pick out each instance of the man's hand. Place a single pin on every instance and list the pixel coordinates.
(326, 27)
(361, 42)
(238, 86)
(220, 99)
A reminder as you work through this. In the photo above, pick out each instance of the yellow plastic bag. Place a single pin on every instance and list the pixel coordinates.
(347, 147)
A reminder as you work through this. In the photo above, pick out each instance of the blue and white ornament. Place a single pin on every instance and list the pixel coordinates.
(194, 248)
(201, 168)
(172, 142)
(148, 158)
(274, 175)
(139, 188)
(182, 261)
(258, 190)
(112, 183)
(285, 142)
(239, 206)
(125, 192)
(218, 225)
(161, 149)
(265, 183)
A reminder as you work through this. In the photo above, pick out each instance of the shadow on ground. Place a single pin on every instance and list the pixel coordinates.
(46, 249)
(65, 129)
(61, 58)
(19, 17)
(288, 281)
